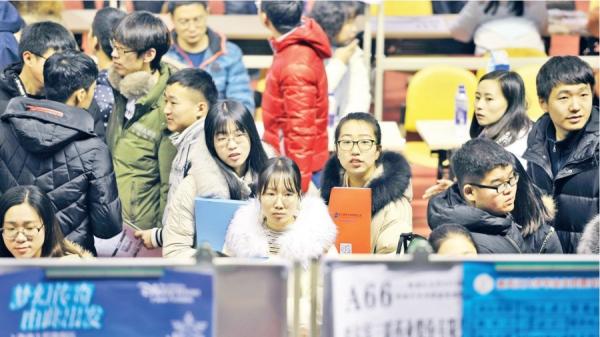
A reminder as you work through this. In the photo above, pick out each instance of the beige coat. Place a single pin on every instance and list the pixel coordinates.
(391, 212)
(205, 180)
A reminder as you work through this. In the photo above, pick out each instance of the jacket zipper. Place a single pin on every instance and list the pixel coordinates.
(546, 240)
(514, 244)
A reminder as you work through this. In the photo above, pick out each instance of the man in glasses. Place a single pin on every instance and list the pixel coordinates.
(197, 46)
(38, 42)
(137, 131)
(482, 198)
(100, 40)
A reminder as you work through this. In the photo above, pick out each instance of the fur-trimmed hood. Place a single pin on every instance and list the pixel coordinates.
(588, 244)
(133, 86)
(310, 236)
(390, 183)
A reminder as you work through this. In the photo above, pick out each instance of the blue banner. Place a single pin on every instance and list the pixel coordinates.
(177, 304)
(499, 302)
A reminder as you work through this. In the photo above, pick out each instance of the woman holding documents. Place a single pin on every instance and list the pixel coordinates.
(280, 222)
(225, 169)
(360, 162)
(29, 227)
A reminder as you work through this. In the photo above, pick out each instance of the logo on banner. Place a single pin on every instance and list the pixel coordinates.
(483, 284)
(188, 327)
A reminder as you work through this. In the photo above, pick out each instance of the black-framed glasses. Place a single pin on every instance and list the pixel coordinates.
(11, 233)
(120, 50)
(512, 182)
(363, 144)
(38, 55)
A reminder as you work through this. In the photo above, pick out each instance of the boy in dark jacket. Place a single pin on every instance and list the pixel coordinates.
(38, 42)
(51, 144)
(483, 200)
(295, 102)
(562, 148)
(104, 22)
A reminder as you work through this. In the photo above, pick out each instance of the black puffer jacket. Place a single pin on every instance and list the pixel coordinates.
(10, 85)
(52, 145)
(575, 186)
(492, 234)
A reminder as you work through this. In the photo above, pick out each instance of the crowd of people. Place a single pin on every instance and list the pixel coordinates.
(162, 117)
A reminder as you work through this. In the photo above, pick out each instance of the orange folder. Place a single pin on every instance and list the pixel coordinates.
(350, 209)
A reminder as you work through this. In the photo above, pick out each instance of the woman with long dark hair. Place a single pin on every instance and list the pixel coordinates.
(226, 168)
(29, 226)
(500, 115)
(501, 111)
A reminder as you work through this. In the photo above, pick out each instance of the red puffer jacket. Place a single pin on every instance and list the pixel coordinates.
(295, 100)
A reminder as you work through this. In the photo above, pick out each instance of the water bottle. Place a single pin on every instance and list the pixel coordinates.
(460, 109)
(332, 114)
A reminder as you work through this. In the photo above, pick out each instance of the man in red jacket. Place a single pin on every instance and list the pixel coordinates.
(295, 102)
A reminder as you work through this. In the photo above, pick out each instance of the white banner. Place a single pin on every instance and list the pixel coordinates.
(372, 301)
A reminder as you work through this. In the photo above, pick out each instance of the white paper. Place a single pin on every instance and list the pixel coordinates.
(372, 301)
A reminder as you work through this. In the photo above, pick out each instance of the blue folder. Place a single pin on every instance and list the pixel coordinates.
(212, 219)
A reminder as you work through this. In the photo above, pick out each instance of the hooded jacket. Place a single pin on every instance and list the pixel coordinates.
(10, 23)
(391, 193)
(575, 186)
(52, 145)
(223, 61)
(311, 235)
(141, 148)
(492, 234)
(295, 102)
(10, 84)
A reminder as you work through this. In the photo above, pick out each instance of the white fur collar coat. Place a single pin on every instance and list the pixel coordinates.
(310, 236)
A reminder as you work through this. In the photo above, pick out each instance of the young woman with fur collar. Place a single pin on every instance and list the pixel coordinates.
(360, 162)
(223, 167)
(280, 222)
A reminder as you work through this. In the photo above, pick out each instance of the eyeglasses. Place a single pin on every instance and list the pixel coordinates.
(223, 140)
(363, 144)
(11, 233)
(512, 182)
(197, 21)
(120, 50)
(38, 55)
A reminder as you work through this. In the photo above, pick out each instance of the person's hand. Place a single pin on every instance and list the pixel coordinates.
(439, 187)
(146, 237)
(345, 53)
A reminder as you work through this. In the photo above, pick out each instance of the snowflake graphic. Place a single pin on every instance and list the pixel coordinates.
(188, 327)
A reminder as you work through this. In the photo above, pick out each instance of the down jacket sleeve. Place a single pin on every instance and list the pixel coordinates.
(180, 229)
(166, 154)
(393, 220)
(103, 197)
(300, 92)
(238, 81)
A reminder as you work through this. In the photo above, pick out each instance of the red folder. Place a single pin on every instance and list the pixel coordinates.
(350, 209)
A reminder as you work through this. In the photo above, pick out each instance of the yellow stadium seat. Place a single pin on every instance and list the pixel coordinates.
(405, 8)
(528, 73)
(431, 92)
